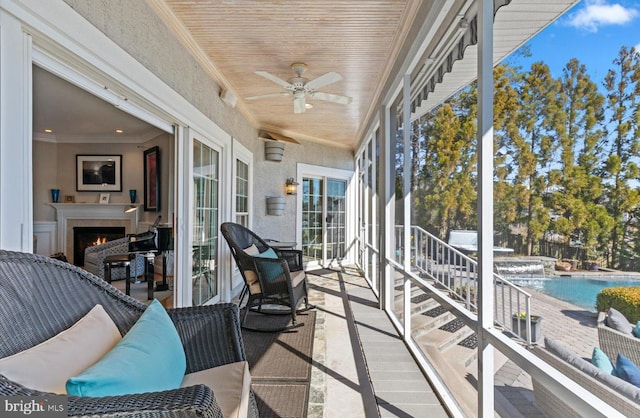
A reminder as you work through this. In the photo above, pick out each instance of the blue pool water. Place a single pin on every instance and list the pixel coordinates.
(580, 291)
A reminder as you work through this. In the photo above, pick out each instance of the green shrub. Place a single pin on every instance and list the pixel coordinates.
(624, 299)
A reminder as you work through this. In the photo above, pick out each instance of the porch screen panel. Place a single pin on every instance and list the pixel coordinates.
(312, 239)
(397, 145)
(205, 223)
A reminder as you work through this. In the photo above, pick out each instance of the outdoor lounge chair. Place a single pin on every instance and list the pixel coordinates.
(280, 280)
(40, 297)
(614, 342)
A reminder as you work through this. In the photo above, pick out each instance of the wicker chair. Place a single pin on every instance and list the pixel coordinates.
(94, 259)
(613, 342)
(268, 281)
(40, 297)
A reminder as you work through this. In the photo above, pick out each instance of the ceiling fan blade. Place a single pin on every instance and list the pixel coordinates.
(336, 98)
(264, 96)
(322, 81)
(275, 79)
(298, 105)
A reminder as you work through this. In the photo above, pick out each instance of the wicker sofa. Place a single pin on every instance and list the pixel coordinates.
(621, 395)
(40, 297)
(94, 257)
(613, 342)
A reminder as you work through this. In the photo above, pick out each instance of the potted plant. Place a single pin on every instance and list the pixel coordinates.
(519, 326)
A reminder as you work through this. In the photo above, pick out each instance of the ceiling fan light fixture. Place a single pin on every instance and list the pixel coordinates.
(299, 68)
(301, 88)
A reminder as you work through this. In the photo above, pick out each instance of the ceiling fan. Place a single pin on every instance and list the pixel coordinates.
(300, 88)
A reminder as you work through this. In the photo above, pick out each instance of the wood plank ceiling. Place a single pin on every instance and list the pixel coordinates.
(359, 40)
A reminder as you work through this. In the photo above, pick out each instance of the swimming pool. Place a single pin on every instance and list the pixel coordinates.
(580, 291)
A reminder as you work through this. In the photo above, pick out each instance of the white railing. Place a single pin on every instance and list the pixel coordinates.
(456, 272)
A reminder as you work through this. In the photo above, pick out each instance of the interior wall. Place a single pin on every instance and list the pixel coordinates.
(45, 178)
(55, 167)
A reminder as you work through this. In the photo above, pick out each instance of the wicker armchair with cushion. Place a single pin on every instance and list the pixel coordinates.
(94, 257)
(613, 341)
(271, 276)
(618, 393)
(42, 298)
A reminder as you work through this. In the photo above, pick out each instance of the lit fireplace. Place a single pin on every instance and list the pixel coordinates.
(88, 236)
(100, 240)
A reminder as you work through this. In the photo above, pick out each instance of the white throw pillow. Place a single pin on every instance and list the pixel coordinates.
(48, 365)
(252, 250)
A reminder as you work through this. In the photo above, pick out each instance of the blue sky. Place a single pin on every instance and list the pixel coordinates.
(593, 32)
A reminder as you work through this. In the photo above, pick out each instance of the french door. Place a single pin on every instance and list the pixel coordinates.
(323, 220)
(204, 234)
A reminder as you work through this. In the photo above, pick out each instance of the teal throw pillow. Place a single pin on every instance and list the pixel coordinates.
(627, 370)
(601, 361)
(268, 253)
(269, 271)
(149, 358)
(636, 330)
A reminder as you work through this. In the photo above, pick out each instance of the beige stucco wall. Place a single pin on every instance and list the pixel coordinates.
(134, 27)
(284, 227)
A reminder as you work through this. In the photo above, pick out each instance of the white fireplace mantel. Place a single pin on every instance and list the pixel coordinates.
(92, 211)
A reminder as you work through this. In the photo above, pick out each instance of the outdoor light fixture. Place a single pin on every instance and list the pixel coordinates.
(291, 187)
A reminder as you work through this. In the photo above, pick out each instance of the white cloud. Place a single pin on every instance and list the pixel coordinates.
(597, 13)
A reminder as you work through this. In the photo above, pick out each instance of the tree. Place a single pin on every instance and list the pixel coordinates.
(621, 167)
(506, 108)
(534, 145)
(579, 127)
(449, 183)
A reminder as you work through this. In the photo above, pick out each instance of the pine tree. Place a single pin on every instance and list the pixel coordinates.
(621, 168)
(578, 124)
(534, 146)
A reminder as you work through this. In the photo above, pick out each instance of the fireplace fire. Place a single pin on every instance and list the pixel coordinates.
(100, 240)
(89, 236)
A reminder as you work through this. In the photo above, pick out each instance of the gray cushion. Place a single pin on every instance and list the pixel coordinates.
(615, 383)
(617, 321)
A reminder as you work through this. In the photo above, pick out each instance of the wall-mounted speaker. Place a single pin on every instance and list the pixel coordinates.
(228, 97)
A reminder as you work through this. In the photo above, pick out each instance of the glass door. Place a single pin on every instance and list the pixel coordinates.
(335, 220)
(323, 220)
(204, 272)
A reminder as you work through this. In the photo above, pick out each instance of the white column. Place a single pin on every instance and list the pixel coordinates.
(16, 201)
(406, 186)
(385, 205)
(485, 207)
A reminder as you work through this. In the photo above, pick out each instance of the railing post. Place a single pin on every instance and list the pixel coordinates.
(527, 305)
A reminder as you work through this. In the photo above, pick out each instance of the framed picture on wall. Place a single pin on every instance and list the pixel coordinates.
(99, 173)
(152, 179)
